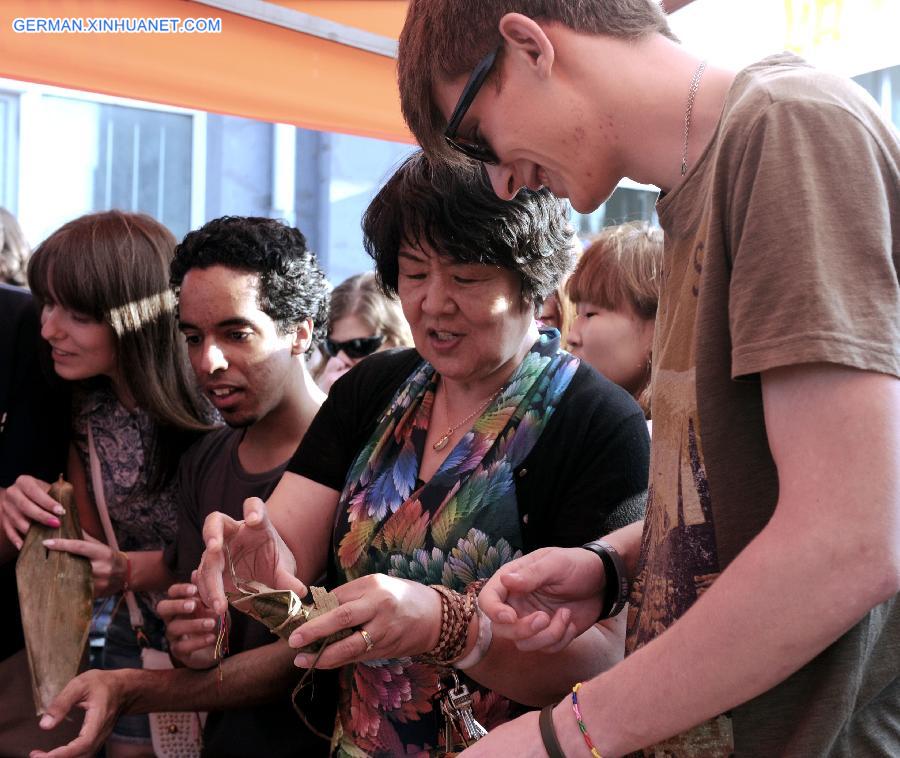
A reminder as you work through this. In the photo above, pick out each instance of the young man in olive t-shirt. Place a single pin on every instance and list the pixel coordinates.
(763, 617)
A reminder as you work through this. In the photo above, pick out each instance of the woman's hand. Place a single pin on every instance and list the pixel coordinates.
(190, 626)
(400, 617)
(109, 567)
(546, 598)
(255, 552)
(24, 501)
(334, 370)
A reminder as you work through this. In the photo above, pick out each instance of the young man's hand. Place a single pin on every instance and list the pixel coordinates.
(102, 695)
(190, 626)
(244, 551)
(520, 737)
(546, 598)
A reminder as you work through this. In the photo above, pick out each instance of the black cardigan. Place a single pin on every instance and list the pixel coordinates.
(585, 477)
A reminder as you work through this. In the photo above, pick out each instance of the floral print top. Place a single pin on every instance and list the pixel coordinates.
(123, 438)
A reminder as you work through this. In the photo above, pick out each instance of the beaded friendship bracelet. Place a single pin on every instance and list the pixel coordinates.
(581, 724)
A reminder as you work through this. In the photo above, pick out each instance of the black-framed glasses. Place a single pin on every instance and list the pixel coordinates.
(480, 151)
(356, 348)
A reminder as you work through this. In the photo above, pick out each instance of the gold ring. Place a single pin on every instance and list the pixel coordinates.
(368, 639)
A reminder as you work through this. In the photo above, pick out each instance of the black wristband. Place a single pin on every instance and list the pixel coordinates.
(548, 732)
(615, 593)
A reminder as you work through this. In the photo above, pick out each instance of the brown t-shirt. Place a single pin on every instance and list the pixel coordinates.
(212, 479)
(781, 249)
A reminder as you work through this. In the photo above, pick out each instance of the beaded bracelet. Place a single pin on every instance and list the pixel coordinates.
(581, 724)
(457, 611)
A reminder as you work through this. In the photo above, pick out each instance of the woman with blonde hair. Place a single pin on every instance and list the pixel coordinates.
(14, 250)
(558, 311)
(615, 288)
(362, 320)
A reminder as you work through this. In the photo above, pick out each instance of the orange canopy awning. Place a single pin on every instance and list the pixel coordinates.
(250, 68)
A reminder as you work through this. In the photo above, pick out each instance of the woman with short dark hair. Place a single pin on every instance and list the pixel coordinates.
(435, 466)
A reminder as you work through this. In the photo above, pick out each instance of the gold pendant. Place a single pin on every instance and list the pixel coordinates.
(441, 443)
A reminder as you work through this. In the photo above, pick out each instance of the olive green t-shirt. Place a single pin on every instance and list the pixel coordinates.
(781, 249)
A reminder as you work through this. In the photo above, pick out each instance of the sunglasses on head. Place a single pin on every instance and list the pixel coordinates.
(480, 151)
(356, 348)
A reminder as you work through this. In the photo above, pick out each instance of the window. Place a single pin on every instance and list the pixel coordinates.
(9, 149)
(627, 203)
(86, 156)
(884, 86)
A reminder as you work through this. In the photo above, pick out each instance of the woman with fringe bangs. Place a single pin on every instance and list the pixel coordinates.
(108, 317)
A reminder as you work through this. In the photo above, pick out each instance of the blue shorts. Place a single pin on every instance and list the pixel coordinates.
(121, 651)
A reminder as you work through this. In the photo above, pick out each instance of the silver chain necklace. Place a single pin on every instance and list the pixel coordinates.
(695, 84)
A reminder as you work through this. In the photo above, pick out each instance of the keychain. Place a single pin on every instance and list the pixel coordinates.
(456, 705)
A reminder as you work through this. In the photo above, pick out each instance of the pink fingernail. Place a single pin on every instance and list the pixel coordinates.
(53, 522)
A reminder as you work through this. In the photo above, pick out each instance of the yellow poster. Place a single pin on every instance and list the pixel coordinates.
(851, 36)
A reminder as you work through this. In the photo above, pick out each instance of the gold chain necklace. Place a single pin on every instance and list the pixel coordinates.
(445, 437)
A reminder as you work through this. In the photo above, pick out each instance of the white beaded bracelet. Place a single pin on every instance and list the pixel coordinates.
(482, 642)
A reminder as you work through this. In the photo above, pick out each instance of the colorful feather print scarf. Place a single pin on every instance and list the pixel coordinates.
(461, 525)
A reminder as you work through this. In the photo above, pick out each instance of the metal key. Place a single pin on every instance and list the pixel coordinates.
(457, 708)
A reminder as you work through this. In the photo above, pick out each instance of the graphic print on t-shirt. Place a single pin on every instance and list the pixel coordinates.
(679, 559)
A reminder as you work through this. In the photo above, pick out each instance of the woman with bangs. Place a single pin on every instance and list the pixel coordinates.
(615, 288)
(107, 315)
